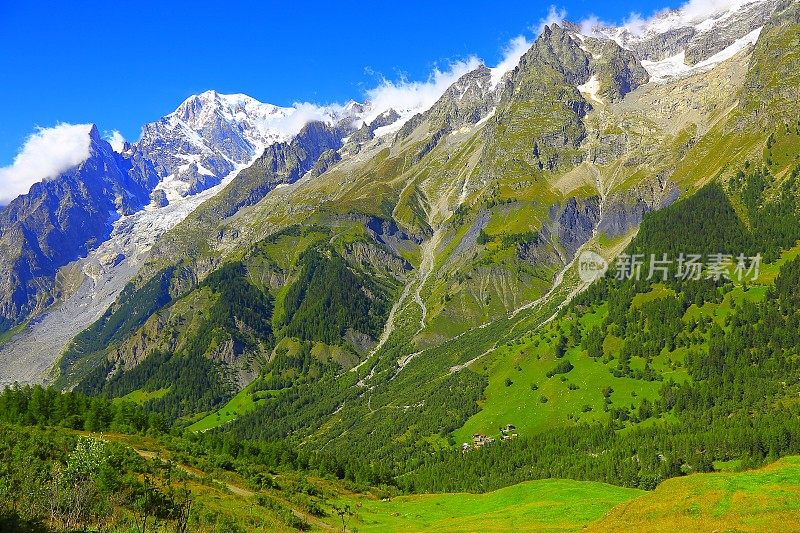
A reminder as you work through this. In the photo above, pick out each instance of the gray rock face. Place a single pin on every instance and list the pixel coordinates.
(619, 71)
(624, 211)
(325, 161)
(576, 223)
(386, 233)
(386, 118)
(557, 48)
(159, 198)
(610, 147)
(569, 227)
(555, 51)
(539, 108)
(284, 162)
(470, 239)
(465, 102)
(377, 260)
(367, 131)
(707, 43)
(663, 45)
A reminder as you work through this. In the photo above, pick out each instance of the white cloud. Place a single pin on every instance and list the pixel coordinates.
(302, 113)
(554, 16)
(636, 24)
(589, 24)
(513, 52)
(116, 140)
(45, 154)
(411, 97)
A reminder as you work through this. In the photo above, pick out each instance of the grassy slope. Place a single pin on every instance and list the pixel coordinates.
(545, 505)
(141, 396)
(527, 364)
(241, 403)
(551, 505)
(767, 499)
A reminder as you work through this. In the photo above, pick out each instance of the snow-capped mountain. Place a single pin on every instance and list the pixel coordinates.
(102, 217)
(210, 134)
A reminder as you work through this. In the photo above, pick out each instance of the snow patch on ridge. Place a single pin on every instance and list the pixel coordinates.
(676, 67)
(703, 15)
(672, 67)
(393, 127)
(591, 88)
(736, 47)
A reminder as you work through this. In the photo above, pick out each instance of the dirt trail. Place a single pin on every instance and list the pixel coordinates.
(241, 491)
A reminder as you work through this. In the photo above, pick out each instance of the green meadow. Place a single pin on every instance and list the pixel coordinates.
(544, 505)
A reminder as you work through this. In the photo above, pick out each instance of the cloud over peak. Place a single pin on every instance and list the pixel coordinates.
(406, 96)
(554, 16)
(512, 53)
(116, 140)
(46, 153)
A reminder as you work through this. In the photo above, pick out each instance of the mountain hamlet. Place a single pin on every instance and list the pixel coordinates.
(379, 318)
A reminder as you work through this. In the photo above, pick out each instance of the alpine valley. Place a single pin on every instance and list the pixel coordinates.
(376, 318)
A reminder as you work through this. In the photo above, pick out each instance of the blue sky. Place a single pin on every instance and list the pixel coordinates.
(120, 64)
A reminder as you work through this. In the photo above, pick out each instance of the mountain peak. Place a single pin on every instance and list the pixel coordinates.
(200, 108)
(94, 135)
